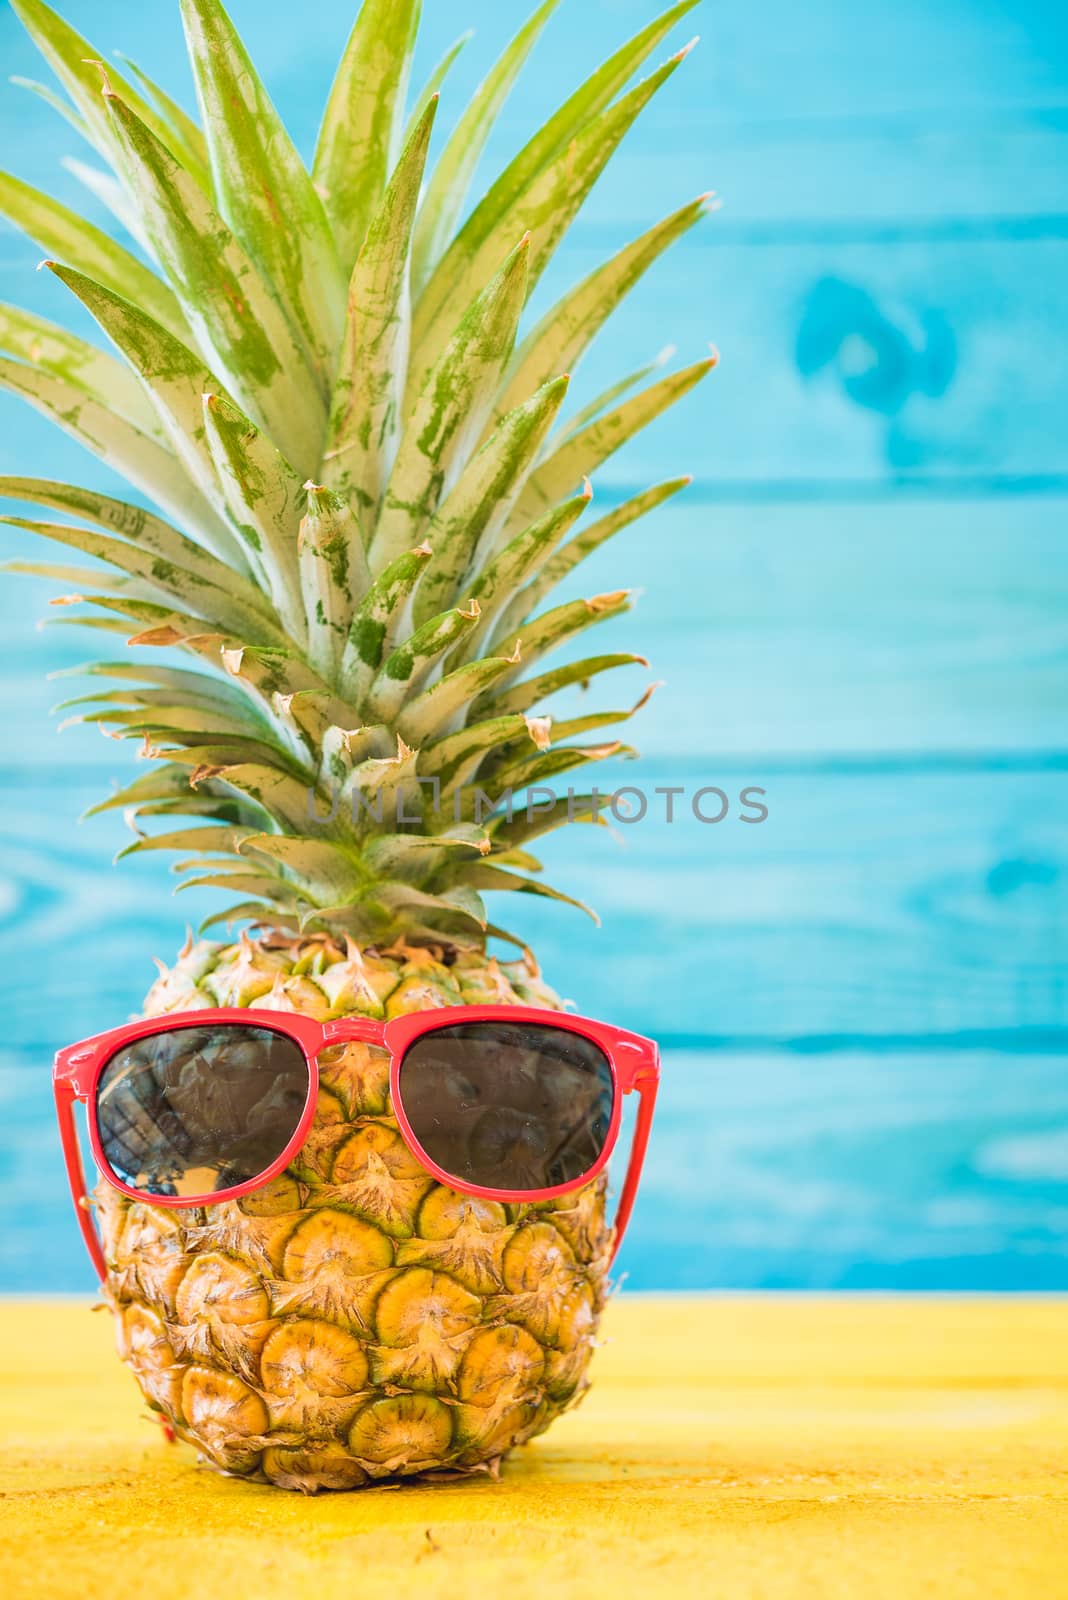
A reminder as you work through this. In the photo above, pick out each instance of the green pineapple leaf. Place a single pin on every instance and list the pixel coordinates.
(563, 334)
(362, 504)
(564, 561)
(61, 232)
(365, 412)
(479, 505)
(534, 639)
(433, 84)
(582, 453)
(151, 467)
(140, 527)
(448, 417)
(435, 711)
(532, 691)
(261, 188)
(391, 854)
(364, 119)
(543, 186)
(240, 330)
(326, 870)
(456, 166)
(265, 498)
(212, 598)
(79, 69)
(226, 840)
(333, 568)
(174, 376)
(48, 348)
(188, 132)
(456, 758)
(513, 565)
(406, 669)
(377, 622)
(574, 727)
(489, 876)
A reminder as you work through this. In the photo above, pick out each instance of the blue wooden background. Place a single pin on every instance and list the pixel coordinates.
(861, 606)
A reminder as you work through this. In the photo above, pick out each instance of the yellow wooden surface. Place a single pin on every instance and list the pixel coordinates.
(736, 1447)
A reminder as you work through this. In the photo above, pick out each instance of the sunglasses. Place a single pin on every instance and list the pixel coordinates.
(504, 1102)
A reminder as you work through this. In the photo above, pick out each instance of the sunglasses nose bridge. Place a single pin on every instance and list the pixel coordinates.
(354, 1030)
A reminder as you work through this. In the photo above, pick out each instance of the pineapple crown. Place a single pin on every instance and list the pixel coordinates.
(363, 492)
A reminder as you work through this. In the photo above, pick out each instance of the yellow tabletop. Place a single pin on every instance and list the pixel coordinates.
(743, 1447)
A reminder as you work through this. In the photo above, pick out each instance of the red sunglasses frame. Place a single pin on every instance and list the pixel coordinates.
(633, 1060)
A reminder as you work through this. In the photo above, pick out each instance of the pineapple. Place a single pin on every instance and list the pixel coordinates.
(353, 496)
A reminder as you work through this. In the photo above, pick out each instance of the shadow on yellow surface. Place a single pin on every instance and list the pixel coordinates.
(740, 1447)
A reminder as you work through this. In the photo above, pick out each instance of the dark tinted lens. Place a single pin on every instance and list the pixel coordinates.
(195, 1110)
(508, 1105)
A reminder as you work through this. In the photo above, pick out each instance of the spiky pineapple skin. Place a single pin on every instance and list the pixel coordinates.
(356, 1320)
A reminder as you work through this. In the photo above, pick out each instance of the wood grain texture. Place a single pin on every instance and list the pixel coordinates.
(887, 278)
(939, 60)
(853, 1169)
(861, 606)
(868, 907)
(850, 365)
(743, 1446)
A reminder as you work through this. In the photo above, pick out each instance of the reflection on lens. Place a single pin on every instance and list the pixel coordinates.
(508, 1105)
(199, 1109)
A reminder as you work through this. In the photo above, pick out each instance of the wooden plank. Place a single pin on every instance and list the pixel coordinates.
(875, 906)
(983, 173)
(868, 906)
(972, 172)
(863, 365)
(950, 115)
(914, 628)
(850, 1170)
(922, 58)
(730, 1446)
(867, 366)
(837, 629)
(885, 282)
(856, 1171)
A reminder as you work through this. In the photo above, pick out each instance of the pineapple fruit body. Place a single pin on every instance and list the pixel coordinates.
(355, 1319)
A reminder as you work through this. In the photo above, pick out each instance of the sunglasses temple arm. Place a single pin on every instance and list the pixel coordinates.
(647, 1087)
(72, 1155)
